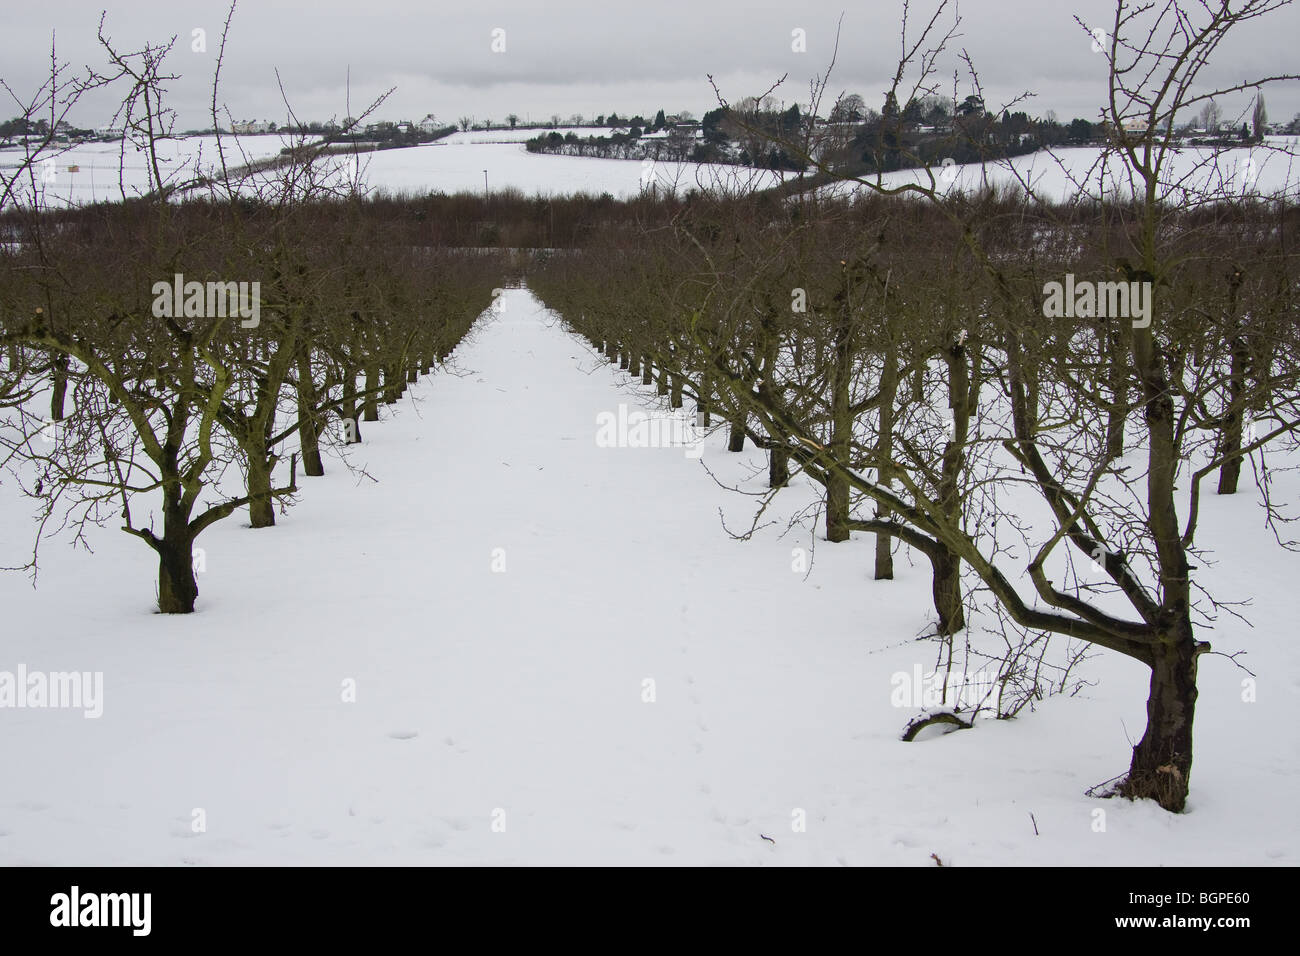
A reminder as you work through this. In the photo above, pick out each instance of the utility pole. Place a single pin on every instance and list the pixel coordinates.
(485, 185)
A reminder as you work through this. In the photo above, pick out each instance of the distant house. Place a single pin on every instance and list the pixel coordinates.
(428, 124)
(250, 127)
(681, 135)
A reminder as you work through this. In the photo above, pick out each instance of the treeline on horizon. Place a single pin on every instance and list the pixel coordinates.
(926, 131)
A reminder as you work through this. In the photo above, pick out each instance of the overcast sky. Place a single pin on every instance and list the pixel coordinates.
(566, 56)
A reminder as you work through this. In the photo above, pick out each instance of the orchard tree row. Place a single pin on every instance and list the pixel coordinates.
(1036, 397)
(174, 358)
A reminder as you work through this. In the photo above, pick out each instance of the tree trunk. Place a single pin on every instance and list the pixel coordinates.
(703, 403)
(1118, 396)
(177, 588)
(371, 413)
(351, 420)
(837, 486)
(778, 467)
(308, 425)
(675, 397)
(647, 375)
(736, 435)
(261, 509)
(59, 389)
(778, 457)
(1230, 442)
(884, 455)
(1162, 760)
(963, 398)
(946, 589)
(394, 386)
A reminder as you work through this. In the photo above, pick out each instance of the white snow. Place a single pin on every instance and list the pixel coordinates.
(516, 696)
(452, 167)
(1060, 174)
(104, 170)
(453, 164)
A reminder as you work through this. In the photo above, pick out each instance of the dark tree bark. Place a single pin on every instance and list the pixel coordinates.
(837, 487)
(884, 570)
(177, 587)
(371, 412)
(59, 389)
(1117, 365)
(1230, 440)
(348, 410)
(736, 434)
(308, 421)
(1162, 760)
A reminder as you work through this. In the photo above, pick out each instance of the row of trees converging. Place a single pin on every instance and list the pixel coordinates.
(116, 388)
(171, 359)
(1049, 469)
(1034, 397)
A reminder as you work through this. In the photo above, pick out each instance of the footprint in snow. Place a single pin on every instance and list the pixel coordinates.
(403, 734)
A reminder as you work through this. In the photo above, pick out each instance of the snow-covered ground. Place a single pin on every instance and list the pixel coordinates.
(453, 164)
(498, 589)
(458, 161)
(452, 167)
(1060, 174)
(103, 171)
